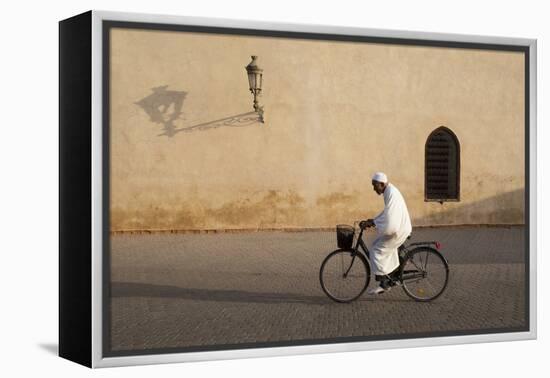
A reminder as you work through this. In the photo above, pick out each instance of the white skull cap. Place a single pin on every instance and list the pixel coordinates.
(380, 177)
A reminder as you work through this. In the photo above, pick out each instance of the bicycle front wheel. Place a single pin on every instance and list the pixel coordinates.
(425, 274)
(344, 275)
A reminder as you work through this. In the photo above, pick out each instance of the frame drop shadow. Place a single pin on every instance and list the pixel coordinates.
(50, 348)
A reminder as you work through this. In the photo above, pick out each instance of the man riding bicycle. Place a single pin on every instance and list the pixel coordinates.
(393, 226)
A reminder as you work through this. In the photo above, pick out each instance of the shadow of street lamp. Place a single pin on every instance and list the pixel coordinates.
(255, 83)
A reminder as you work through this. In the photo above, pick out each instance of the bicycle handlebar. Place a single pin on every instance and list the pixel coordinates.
(363, 225)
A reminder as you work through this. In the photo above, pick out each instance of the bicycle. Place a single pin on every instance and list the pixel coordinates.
(345, 273)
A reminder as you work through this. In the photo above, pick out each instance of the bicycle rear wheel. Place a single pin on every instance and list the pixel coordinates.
(344, 275)
(425, 274)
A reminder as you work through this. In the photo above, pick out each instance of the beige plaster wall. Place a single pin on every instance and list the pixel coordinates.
(335, 113)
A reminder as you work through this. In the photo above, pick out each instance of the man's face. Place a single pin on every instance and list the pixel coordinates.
(378, 187)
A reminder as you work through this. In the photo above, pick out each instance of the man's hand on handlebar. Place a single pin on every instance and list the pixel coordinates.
(366, 223)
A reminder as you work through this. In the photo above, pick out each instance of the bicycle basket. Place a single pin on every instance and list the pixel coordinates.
(344, 236)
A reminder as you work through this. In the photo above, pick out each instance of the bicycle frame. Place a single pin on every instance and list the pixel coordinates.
(360, 244)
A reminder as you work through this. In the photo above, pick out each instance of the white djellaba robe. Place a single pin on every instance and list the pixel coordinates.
(393, 226)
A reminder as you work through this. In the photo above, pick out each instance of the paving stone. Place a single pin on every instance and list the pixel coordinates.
(192, 290)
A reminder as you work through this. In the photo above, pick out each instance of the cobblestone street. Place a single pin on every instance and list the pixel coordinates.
(193, 290)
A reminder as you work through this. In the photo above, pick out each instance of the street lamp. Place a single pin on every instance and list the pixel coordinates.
(255, 83)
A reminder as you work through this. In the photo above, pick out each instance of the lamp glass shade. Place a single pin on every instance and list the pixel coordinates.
(252, 80)
(254, 75)
(260, 81)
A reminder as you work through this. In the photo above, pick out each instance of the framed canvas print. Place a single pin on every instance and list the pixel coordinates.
(232, 189)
